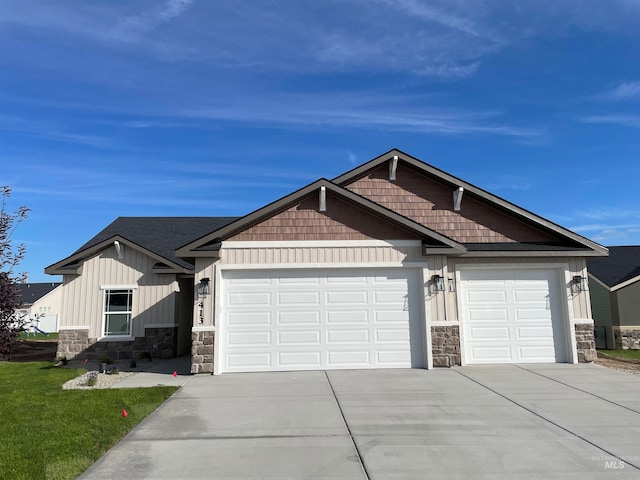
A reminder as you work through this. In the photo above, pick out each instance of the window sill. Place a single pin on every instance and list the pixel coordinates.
(113, 338)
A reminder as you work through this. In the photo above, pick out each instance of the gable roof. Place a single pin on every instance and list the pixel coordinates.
(211, 242)
(30, 293)
(619, 269)
(572, 240)
(156, 236)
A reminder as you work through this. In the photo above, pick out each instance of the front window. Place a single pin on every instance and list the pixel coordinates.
(117, 312)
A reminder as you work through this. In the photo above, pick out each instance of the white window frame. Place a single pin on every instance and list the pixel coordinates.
(106, 290)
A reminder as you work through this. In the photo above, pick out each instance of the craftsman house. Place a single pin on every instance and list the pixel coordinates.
(393, 264)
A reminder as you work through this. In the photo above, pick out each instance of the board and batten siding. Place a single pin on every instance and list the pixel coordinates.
(83, 298)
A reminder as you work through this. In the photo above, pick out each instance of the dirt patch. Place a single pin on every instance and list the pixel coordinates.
(34, 351)
(629, 366)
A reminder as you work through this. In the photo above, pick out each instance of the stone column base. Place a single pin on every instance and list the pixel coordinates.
(445, 345)
(585, 342)
(627, 338)
(202, 351)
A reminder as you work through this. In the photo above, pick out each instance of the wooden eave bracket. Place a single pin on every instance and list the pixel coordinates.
(457, 199)
(393, 167)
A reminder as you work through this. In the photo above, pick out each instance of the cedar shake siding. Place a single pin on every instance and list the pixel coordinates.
(341, 221)
(430, 203)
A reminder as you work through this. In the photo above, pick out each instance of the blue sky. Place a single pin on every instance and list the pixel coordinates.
(215, 108)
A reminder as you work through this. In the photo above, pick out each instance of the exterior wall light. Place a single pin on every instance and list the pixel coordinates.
(452, 285)
(578, 284)
(203, 287)
(438, 283)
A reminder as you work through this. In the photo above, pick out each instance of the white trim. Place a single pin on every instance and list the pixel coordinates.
(71, 327)
(583, 321)
(626, 283)
(207, 328)
(104, 313)
(315, 266)
(447, 323)
(426, 313)
(161, 325)
(321, 243)
(118, 287)
(219, 307)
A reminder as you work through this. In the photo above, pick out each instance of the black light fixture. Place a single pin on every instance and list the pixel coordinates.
(203, 287)
(578, 283)
(452, 285)
(438, 283)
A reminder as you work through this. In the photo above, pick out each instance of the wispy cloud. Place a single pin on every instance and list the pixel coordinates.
(632, 121)
(50, 131)
(133, 26)
(624, 91)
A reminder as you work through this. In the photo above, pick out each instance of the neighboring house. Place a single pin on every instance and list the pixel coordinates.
(41, 304)
(393, 264)
(615, 297)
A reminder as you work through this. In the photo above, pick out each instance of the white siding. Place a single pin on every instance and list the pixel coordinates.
(82, 298)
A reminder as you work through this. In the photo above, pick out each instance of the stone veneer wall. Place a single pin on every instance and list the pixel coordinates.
(159, 342)
(445, 341)
(202, 351)
(627, 339)
(585, 343)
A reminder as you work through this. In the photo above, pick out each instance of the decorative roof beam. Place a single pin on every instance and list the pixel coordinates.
(323, 199)
(457, 199)
(393, 167)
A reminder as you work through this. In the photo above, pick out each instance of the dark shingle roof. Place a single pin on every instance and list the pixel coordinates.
(160, 235)
(622, 264)
(29, 293)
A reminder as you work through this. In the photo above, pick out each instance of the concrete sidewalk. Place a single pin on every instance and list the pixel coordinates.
(497, 422)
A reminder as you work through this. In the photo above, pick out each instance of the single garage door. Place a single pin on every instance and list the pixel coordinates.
(512, 316)
(320, 319)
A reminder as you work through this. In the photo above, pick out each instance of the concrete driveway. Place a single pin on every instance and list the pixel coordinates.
(498, 422)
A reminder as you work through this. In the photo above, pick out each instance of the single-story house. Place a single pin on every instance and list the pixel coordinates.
(615, 297)
(40, 304)
(392, 264)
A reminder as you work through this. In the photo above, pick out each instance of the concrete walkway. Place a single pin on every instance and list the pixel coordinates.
(161, 374)
(498, 422)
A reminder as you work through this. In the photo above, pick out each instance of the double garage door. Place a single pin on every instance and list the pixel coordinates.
(320, 319)
(512, 316)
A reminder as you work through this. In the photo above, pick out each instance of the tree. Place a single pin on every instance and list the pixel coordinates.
(10, 324)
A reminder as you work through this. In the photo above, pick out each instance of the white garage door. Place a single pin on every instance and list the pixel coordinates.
(512, 316)
(320, 319)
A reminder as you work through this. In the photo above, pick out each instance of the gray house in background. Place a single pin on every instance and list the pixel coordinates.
(615, 297)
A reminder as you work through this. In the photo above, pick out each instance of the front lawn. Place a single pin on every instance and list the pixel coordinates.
(47, 432)
(626, 354)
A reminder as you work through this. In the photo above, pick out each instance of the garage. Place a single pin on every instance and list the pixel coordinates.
(512, 316)
(320, 319)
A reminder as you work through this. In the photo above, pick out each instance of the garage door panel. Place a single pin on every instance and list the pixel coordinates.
(250, 319)
(516, 319)
(488, 315)
(311, 299)
(489, 333)
(348, 298)
(545, 332)
(347, 336)
(297, 318)
(251, 339)
(256, 299)
(299, 337)
(348, 317)
(300, 359)
(360, 318)
(346, 359)
(393, 336)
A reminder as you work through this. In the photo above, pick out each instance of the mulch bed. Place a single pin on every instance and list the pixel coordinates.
(34, 351)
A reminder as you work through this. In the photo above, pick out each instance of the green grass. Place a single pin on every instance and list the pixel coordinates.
(633, 354)
(50, 433)
(53, 336)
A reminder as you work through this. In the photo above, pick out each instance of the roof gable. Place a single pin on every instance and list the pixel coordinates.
(157, 237)
(426, 194)
(30, 293)
(620, 268)
(298, 216)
